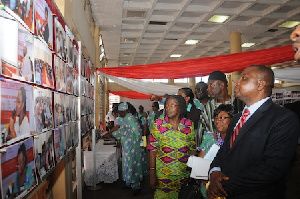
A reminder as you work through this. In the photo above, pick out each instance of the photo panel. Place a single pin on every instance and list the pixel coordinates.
(67, 108)
(83, 65)
(43, 64)
(59, 109)
(8, 44)
(17, 117)
(69, 138)
(75, 59)
(75, 84)
(18, 162)
(43, 111)
(69, 44)
(44, 154)
(59, 143)
(74, 108)
(74, 132)
(44, 22)
(60, 40)
(22, 10)
(60, 74)
(87, 142)
(69, 76)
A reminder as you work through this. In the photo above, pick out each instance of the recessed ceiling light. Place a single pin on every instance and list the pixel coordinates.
(191, 42)
(175, 55)
(247, 45)
(218, 18)
(289, 24)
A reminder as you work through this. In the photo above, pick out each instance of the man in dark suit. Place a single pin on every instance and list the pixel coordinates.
(253, 166)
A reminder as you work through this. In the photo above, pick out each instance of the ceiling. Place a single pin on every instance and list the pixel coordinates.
(139, 32)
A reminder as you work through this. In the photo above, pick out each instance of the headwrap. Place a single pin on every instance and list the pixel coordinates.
(123, 106)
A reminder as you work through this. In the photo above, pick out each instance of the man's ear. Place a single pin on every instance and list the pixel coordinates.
(261, 84)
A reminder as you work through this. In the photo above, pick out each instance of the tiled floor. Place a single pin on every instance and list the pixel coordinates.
(114, 191)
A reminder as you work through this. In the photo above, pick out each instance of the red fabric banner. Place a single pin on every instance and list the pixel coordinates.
(203, 66)
(131, 94)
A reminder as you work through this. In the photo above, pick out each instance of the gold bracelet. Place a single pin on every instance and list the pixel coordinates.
(152, 168)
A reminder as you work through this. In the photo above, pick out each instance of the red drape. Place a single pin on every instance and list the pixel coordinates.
(131, 94)
(203, 66)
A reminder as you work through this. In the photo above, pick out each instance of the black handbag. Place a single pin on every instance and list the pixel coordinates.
(190, 190)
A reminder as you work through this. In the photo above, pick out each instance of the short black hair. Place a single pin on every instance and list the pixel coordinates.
(267, 75)
(131, 108)
(155, 104)
(228, 108)
(204, 84)
(181, 102)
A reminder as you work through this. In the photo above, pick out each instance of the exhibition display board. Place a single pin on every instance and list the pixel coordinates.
(47, 95)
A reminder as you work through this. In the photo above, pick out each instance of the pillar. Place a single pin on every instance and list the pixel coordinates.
(235, 47)
(192, 83)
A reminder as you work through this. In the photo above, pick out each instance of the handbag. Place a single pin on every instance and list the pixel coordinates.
(190, 190)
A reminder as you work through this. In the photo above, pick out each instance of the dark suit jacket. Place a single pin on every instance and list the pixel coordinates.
(260, 155)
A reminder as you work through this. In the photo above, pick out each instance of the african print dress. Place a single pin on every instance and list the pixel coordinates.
(172, 154)
(130, 138)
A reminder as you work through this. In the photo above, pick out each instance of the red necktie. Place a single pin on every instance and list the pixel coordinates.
(239, 126)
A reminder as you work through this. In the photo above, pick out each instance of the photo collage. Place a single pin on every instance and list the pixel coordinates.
(43, 113)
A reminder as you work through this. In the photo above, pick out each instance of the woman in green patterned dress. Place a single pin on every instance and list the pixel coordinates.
(171, 142)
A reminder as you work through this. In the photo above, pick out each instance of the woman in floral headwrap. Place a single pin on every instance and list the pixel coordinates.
(170, 143)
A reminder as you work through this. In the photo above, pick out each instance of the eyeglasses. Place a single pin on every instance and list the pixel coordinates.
(171, 105)
(220, 118)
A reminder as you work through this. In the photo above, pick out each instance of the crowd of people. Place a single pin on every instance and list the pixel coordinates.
(254, 140)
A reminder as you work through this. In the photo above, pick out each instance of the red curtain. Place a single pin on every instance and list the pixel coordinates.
(203, 66)
(131, 94)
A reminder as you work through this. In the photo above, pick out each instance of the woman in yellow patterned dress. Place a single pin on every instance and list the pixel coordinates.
(171, 142)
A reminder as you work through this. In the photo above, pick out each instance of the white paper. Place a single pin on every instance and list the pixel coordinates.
(211, 154)
(200, 167)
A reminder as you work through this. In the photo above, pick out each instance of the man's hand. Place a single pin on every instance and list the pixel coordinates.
(215, 188)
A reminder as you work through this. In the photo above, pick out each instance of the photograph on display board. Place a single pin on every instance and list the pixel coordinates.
(22, 10)
(69, 76)
(76, 59)
(67, 108)
(74, 108)
(59, 109)
(44, 153)
(17, 162)
(60, 74)
(60, 40)
(43, 64)
(75, 84)
(59, 143)
(44, 22)
(17, 117)
(69, 138)
(20, 65)
(43, 109)
(73, 173)
(69, 44)
(8, 44)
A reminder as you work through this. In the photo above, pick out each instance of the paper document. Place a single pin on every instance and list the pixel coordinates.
(211, 154)
(200, 167)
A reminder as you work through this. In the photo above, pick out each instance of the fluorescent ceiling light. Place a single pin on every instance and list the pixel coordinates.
(247, 45)
(289, 24)
(191, 42)
(175, 55)
(218, 18)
